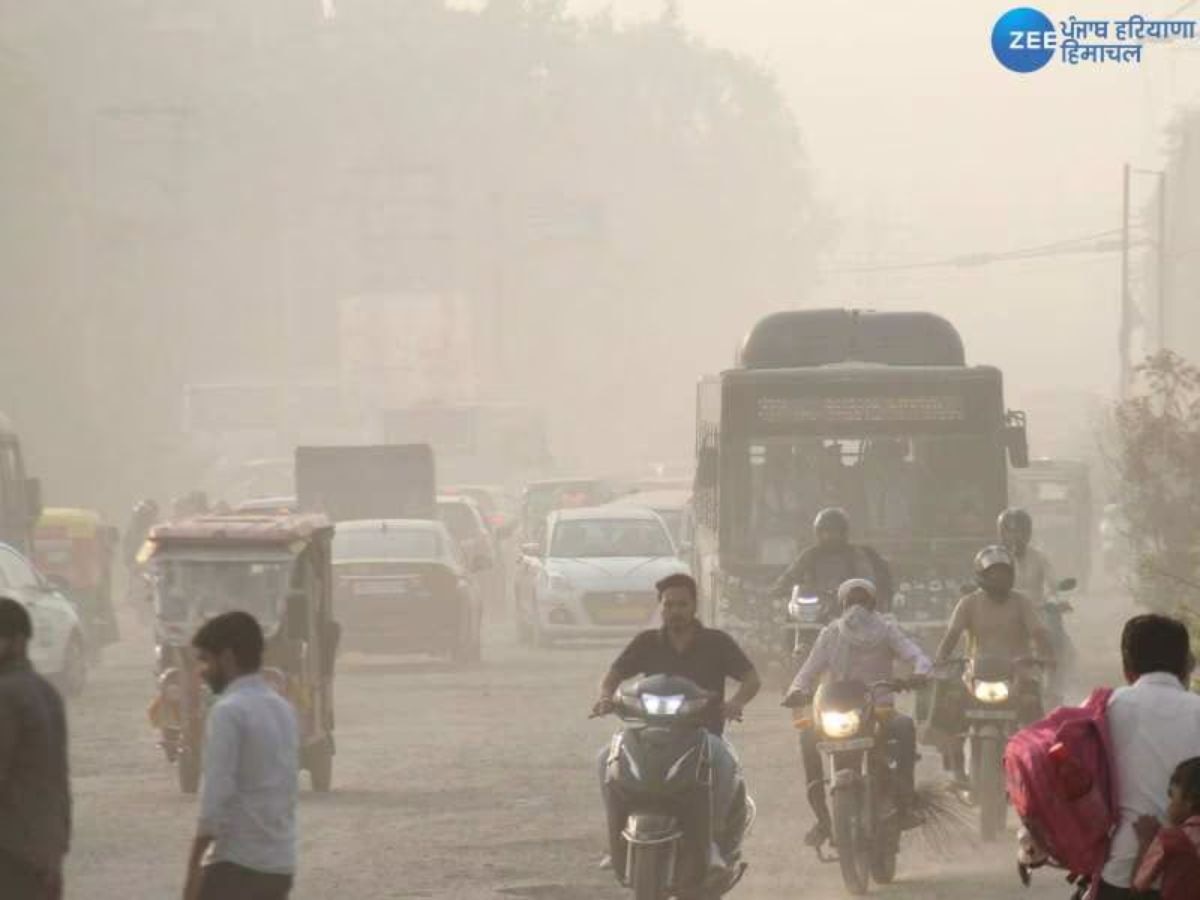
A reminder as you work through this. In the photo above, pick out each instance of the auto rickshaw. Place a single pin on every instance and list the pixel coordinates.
(74, 548)
(277, 568)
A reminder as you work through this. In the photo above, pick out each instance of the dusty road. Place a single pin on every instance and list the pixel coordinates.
(476, 784)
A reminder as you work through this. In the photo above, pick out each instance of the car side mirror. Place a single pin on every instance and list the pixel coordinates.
(531, 548)
(297, 615)
(1016, 439)
(1067, 584)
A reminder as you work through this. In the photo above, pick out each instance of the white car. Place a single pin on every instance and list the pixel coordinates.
(57, 650)
(593, 574)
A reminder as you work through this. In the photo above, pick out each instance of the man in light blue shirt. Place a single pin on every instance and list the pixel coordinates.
(245, 846)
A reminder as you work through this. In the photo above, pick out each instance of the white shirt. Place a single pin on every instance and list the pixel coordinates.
(251, 758)
(1155, 725)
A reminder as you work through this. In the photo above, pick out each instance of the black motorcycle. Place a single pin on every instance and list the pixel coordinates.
(862, 774)
(809, 614)
(658, 790)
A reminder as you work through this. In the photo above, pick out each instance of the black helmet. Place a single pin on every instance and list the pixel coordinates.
(993, 555)
(832, 518)
(1017, 521)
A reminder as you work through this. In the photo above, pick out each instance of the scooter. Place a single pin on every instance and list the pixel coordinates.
(658, 788)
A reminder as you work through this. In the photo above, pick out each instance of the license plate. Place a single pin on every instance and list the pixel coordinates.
(846, 746)
(622, 615)
(994, 715)
(379, 588)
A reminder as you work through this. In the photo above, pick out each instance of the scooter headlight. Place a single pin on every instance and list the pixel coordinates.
(991, 691)
(805, 609)
(660, 705)
(840, 724)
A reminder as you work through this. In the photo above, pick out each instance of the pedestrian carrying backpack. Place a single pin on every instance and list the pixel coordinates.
(1062, 783)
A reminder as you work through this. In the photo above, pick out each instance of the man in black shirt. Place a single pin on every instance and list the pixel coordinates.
(683, 646)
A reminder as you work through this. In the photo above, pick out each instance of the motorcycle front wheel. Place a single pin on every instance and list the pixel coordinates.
(647, 872)
(990, 792)
(853, 853)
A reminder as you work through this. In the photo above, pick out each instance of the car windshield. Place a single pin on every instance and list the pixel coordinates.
(399, 543)
(610, 537)
(198, 589)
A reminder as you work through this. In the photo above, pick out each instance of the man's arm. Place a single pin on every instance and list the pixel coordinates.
(884, 587)
(792, 575)
(10, 727)
(218, 790)
(908, 650)
(956, 629)
(739, 667)
(1035, 627)
(628, 664)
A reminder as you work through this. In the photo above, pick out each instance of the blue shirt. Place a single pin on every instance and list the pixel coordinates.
(251, 758)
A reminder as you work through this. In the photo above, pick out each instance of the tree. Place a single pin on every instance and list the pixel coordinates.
(1157, 464)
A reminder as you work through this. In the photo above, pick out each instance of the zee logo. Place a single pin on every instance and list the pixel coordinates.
(1024, 40)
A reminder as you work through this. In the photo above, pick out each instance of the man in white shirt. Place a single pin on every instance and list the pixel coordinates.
(1155, 725)
(245, 846)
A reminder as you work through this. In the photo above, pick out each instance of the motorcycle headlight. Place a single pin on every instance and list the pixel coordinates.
(805, 609)
(659, 705)
(991, 691)
(840, 724)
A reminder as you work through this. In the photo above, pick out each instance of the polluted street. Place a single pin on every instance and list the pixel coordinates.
(585, 449)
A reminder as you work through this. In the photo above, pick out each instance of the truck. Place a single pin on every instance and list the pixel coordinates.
(877, 413)
(385, 481)
(20, 495)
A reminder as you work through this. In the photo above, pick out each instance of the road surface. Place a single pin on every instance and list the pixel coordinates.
(474, 784)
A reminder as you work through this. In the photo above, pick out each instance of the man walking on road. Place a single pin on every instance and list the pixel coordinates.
(35, 791)
(1154, 725)
(245, 846)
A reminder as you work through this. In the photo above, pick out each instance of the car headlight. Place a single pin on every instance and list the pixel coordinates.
(659, 705)
(558, 583)
(991, 691)
(840, 724)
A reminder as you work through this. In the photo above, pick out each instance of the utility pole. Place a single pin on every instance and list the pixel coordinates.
(1126, 326)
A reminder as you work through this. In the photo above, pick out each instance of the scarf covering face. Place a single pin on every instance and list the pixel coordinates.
(861, 632)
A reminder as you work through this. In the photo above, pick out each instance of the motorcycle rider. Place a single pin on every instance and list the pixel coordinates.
(1035, 579)
(821, 568)
(1034, 574)
(861, 645)
(707, 656)
(998, 622)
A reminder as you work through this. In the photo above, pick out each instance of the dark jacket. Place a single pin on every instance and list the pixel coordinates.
(820, 569)
(35, 792)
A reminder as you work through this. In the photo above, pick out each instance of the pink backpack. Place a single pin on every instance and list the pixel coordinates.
(1063, 786)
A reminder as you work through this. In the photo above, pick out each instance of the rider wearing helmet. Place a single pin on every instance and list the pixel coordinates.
(1034, 574)
(863, 646)
(831, 560)
(997, 620)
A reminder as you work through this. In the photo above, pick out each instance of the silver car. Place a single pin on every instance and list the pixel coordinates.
(593, 574)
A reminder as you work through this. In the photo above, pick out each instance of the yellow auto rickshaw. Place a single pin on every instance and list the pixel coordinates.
(278, 569)
(74, 549)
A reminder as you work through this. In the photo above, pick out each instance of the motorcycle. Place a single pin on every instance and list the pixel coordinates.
(1055, 611)
(998, 705)
(862, 775)
(809, 614)
(659, 793)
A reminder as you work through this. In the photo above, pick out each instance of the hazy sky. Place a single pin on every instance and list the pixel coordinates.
(925, 147)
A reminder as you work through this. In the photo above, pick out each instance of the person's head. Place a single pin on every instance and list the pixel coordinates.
(1156, 643)
(677, 594)
(831, 527)
(228, 646)
(16, 630)
(1015, 529)
(1183, 796)
(857, 592)
(995, 571)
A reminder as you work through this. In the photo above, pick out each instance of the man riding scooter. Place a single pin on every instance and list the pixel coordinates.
(706, 656)
(832, 559)
(861, 645)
